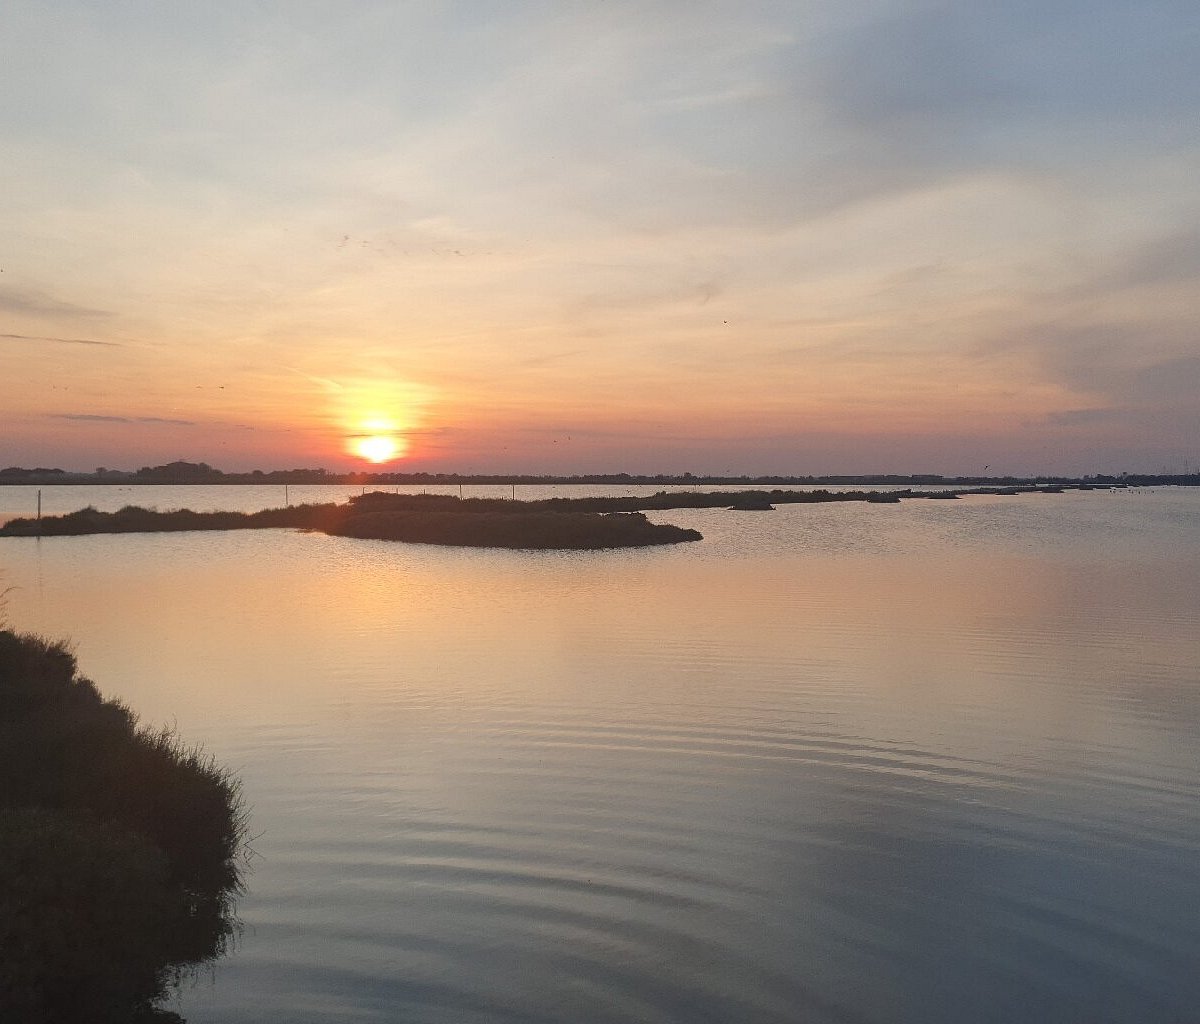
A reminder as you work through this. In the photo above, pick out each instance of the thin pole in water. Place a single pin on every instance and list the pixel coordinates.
(514, 492)
(460, 492)
(286, 502)
(39, 506)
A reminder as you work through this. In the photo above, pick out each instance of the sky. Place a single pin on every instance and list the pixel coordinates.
(715, 237)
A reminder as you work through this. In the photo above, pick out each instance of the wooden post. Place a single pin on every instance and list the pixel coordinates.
(39, 505)
(286, 502)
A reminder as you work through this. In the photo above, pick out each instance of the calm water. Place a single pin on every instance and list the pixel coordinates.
(931, 762)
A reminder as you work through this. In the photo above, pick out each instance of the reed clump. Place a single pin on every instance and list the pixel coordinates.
(120, 848)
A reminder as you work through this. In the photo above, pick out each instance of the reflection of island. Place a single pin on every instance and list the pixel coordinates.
(118, 849)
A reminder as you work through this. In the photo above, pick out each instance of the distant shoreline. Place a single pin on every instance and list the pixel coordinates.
(200, 474)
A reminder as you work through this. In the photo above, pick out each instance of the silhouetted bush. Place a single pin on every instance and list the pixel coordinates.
(83, 907)
(118, 847)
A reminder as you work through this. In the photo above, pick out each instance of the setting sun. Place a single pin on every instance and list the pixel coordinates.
(378, 448)
(377, 417)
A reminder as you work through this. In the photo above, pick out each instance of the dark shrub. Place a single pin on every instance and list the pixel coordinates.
(118, 847)
(83, 908)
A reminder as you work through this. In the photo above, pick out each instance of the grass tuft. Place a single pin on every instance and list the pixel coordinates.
(120, 848)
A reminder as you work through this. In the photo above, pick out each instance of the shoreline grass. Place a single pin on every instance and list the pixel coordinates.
(120, 848)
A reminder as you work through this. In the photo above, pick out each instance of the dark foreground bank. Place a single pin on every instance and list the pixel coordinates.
(119, 849)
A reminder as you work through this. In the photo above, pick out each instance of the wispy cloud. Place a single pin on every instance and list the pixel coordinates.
(86, 417)
(1168, 259)
(32, 302)
(1085, 417)
(61, 341)
(327, 384)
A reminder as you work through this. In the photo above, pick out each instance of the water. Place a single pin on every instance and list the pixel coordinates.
(927, 762)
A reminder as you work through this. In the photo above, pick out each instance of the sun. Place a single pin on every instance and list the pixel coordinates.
(379, 420)
(378, 448)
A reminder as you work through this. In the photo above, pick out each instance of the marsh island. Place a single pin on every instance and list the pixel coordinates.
(588, 523)
(418, 519)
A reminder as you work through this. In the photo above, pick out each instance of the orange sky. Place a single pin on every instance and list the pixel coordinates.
(620, 238)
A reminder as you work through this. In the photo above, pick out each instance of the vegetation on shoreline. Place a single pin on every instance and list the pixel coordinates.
(550, 523)
(134, 519)
(181, 472)
(420, 519)
(119, 849)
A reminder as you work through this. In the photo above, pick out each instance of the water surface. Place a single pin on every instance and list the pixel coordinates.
(927, 762)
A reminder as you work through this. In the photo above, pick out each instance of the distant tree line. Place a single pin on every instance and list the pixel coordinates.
(181, 472)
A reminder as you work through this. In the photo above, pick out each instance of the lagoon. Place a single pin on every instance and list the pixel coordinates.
(925, 762)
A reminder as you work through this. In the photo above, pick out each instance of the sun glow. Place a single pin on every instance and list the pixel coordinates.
(378, 420)
(379, 448)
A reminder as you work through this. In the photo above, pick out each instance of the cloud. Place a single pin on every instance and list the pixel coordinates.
(544, 359)
(1084, 417)
(1102, 336)
(32, 302)
(1126, 359)
(62, 341)
(636, 289)
(1171, 258)
(931, 68)
(1170, 381)
(569, 433)
(325, 383)
(931, 94)
(84, 417)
